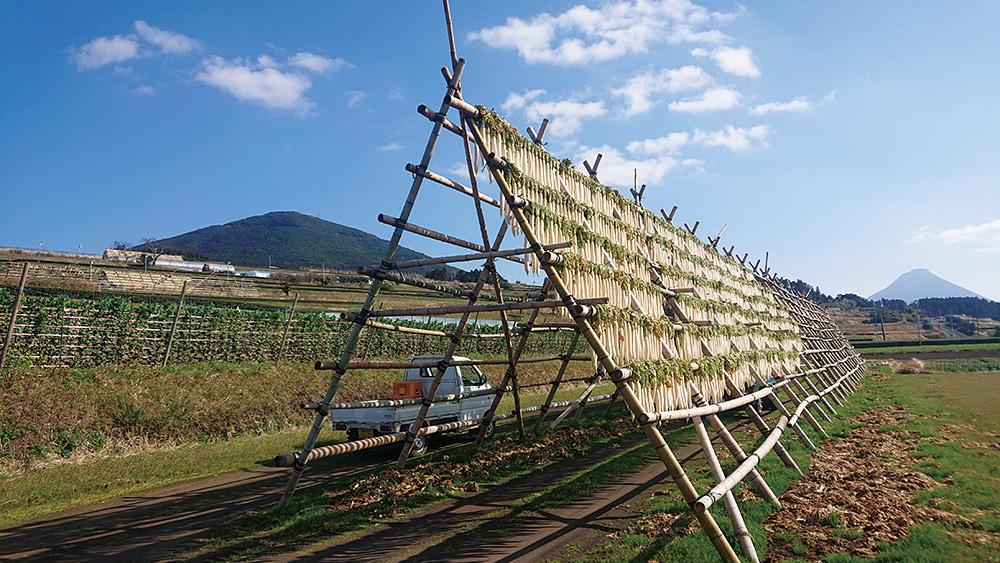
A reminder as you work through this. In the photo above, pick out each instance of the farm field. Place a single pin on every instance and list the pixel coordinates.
(132, 459)
(944, 421)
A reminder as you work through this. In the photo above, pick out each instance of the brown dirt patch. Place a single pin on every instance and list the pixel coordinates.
(856, 495)
(386, 492)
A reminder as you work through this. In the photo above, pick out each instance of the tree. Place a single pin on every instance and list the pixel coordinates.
(121, 245)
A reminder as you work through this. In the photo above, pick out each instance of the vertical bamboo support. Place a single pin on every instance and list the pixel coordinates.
(373, 290)
(663, 451)
(288, 326)
(555, 382)
(13, 315)
(760, 485)
(173, 325)
(728, 500)
(522, 342)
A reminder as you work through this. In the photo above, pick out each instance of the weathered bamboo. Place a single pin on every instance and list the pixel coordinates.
(760, 485)
(435, 117)
(780, 406)
(809, 417)
(472, 257)
(663, 451)
(449, 183)
(368, 364)
(579, 401)
(352, 339)
(706, 501)
(556, 382)
(13, 315)
(399, 277)
(380, 403)
(173, 325)
(453, 309)
(732, 509)
(761, 425)
(713, 408)
(288, 327)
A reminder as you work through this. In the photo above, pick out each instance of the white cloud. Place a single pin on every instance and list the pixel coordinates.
(640, 88)
(318, 63)
(397, 94)
(167, 41)
(736, 139)
(565, 117)
(145, 90)
(260, 83)
(796, 105)
(104, 51)
(616, 169)
(737, 61)
(519, 101)
(982, 232)
(660, 145)
(389, 147)
(582, 35)
(355, 97)
(716, 99)
(985, 235)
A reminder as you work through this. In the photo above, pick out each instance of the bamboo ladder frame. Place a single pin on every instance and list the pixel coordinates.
(829, 368)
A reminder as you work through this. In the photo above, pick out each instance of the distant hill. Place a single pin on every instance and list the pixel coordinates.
(288, 239)
(920, 284)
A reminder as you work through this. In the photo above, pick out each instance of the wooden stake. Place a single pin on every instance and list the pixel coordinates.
(13, 315)
(288, 326)
(173, 325)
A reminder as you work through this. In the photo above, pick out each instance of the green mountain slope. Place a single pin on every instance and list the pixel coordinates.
(289, 239)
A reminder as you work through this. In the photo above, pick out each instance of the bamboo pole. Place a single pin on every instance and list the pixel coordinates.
(13, 315)
(453, 309)
(732, 509)
(581, 400)
(288, 326)
(760, 485)
(352, 339)
(663, 451)
(557, 381)
(761, 425)
(449, 183)
(780, 406)
(405, 279)
(809, 417)
(705, 502)
(473, 256)
(324, 365)
(173, 325)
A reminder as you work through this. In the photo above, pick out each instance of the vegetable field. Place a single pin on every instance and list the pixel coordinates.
(62, 331)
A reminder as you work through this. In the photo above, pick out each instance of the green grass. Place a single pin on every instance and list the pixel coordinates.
(953, 413)
(963, 365)
(45, 490)
(917, 350)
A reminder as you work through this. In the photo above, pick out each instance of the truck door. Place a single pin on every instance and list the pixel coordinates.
(474, 380)
(450, 384)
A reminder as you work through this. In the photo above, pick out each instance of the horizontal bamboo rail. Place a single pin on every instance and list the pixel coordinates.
(420, 262)
(449, 183)
(364, 364)
(288, 459)
(454, 309)
(399, 277)
(380, 403)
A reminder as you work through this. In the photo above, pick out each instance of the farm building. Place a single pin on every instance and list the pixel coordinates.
(190, 266)
(122, 255)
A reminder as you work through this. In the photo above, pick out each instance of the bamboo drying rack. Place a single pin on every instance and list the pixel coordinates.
(682, 307)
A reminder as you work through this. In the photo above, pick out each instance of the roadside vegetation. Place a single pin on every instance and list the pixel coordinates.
(924, 348)
(73, 436)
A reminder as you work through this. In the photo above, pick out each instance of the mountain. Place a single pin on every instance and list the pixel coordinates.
(921, 283)
(285, 238)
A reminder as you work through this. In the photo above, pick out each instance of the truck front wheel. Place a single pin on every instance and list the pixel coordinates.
(419, 446)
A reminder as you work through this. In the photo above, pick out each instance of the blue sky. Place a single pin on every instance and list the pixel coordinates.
(852, 140)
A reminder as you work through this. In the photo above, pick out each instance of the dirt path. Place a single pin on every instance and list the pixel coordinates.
(154, 524)
(468, 529)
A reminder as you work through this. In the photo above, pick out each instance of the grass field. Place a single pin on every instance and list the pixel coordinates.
(917, 350)
(36, 492)
(954, 425)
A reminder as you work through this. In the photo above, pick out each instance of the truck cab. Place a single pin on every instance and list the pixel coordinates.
(369, 421)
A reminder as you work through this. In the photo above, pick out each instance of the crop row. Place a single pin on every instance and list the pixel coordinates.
(61, 331)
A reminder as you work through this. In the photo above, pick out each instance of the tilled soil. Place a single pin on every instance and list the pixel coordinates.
(858, 493)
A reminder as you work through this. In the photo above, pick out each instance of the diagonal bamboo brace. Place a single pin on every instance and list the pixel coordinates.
(758, 421)
(760, 485)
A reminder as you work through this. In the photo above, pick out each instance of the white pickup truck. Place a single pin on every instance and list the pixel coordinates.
(371, 418)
